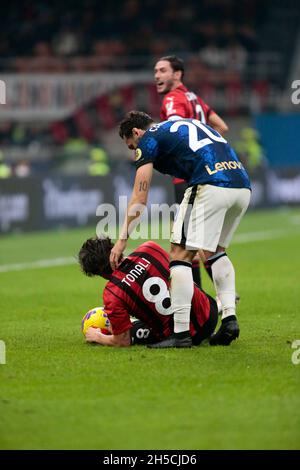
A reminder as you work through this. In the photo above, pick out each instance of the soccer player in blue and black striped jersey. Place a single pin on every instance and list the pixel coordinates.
(217, 197)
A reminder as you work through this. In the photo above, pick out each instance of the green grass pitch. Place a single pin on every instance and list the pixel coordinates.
(57, 392)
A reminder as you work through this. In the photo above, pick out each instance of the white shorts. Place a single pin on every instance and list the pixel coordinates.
(208, 216)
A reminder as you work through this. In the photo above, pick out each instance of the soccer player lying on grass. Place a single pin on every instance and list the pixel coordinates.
(139, 287)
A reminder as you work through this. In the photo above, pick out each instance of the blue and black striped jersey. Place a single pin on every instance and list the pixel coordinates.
(189, 149)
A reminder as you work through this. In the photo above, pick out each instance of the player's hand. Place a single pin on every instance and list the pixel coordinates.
(92, 335)
(116, 253)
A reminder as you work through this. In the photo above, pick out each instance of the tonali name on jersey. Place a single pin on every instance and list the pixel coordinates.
(134, 273)
(140, 288)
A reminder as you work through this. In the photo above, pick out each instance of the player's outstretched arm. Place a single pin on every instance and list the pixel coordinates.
(138, 198)
(217, 123)
(135, 208)
(94, 335)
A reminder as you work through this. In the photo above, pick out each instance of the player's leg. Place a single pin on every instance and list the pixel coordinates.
(180, 189)
(181, 285)
(196, 271)
(181, 288)
(206, 330)
(208, 269)
(192, 230)
(224, 280)
(223, 271)
(184, 245)
(181, 294)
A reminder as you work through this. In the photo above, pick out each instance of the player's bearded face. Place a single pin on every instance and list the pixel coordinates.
(164, 77)
(168, 85)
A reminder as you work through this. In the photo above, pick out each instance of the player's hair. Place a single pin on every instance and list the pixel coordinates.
(93, 256)
(175, 62)
(133, 119)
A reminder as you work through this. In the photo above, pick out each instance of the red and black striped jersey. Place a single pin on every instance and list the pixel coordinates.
(140, 288)
(183, 103)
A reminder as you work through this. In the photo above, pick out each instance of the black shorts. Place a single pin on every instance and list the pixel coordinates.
(142, 334)
(206, 330)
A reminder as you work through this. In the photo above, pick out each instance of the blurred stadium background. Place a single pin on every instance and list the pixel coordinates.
(72, 69)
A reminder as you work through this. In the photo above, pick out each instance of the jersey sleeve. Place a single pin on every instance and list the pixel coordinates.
(116, 311)
(206, 109)
(147, 151)
(174, 105)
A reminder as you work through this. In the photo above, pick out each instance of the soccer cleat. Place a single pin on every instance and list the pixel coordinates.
(173, 342)
(228, 331)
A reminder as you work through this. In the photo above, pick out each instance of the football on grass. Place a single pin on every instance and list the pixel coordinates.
(96, 318)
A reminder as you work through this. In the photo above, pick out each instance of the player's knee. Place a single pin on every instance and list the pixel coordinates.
(221, 266)
(181, 254)
(216, 257)
(206, 256)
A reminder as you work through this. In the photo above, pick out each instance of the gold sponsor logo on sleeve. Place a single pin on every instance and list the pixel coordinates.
(138, 154)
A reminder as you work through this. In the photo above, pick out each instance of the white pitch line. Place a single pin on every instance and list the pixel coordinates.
(253, 236)
(47, 263)
(41, 263)
(295, 219)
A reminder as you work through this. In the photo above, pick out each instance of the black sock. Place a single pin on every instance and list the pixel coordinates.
(183, 334)
(208, 270)
(196, 273)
